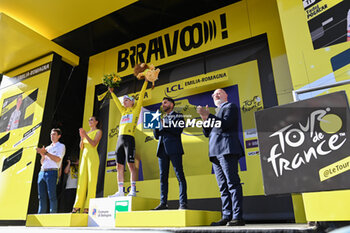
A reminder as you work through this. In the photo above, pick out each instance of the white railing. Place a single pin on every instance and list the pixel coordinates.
(298, 92)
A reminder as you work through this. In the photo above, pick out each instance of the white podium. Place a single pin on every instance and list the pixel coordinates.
(102, 211)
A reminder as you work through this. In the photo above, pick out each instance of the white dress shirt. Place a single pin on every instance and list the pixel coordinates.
(58, 149)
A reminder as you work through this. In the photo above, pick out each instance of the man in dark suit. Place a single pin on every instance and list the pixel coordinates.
(170, 149)
(224, 151)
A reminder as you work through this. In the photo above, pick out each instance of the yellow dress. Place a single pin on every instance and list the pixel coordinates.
(88, 173)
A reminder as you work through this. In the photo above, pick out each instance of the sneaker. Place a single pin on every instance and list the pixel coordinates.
(117, 194)
(132, 194)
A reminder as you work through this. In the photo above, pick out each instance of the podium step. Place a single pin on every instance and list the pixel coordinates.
(57, 220)
(102, 211)
(166, 218)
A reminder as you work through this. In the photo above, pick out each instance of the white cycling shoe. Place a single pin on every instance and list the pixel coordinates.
(117, 194)
(132, 194)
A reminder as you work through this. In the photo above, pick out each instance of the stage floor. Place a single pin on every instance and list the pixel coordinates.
(250, 228)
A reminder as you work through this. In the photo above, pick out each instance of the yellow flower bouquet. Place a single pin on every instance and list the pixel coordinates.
(111, 80)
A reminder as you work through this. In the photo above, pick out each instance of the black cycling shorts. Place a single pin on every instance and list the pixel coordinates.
(125, 149)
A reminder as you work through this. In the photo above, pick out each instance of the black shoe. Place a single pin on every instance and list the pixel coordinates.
(183, 207)
(222, 222)
(161, 206)
(312, 224)
(236, 222)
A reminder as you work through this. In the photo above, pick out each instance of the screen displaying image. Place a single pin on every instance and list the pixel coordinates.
(328, 20)
(13, 111)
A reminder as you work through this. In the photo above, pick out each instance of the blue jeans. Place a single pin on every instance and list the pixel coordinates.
(226, 172)
(164, 162)
(47, 187)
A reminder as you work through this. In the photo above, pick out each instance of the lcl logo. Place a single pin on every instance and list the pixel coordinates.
(174, 88)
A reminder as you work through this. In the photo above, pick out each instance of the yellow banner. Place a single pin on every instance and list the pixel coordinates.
(177, 88)
(212, 30)
(335, 169)
(22, 107)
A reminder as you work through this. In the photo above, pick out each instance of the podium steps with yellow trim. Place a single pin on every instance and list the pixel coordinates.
(125, 212)
(166, 218)
(57, 220)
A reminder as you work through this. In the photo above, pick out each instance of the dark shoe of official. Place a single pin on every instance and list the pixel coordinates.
(236, 222)
(76, 210)
(312, 224)
(183, 207)
(222, 222)
(161, 206)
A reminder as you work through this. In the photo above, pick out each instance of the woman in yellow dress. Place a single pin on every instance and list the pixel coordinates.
(88, 170)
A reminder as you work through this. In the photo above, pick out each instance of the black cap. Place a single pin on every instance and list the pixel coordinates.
(169, 99)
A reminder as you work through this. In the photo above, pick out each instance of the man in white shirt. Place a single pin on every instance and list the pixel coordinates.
(51, 159)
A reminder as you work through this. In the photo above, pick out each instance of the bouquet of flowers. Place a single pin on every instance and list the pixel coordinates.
(111, 80)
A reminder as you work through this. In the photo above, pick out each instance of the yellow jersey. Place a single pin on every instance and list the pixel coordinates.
(130, 116)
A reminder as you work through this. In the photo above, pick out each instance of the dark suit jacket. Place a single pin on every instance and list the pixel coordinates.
(224, 140)
(170, 138)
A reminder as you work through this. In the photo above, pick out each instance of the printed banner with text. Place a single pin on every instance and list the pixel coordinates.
(306, 147)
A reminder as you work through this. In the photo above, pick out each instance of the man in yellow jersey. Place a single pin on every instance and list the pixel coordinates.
(126, 142)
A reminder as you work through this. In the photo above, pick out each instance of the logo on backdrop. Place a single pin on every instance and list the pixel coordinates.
(122, 206)
(303, 135)
(94, 211)
(252, 104)
(174, 90)
(181, 40)
(305, 147)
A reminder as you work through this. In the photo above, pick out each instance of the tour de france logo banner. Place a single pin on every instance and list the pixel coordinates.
(304, 146)
(328, 20)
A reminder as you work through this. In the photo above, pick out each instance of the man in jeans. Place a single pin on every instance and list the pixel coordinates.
(51, 159)
(170, 150)
(225, 150)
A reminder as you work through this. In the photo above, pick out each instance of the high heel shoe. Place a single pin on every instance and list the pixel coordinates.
(76, 210)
